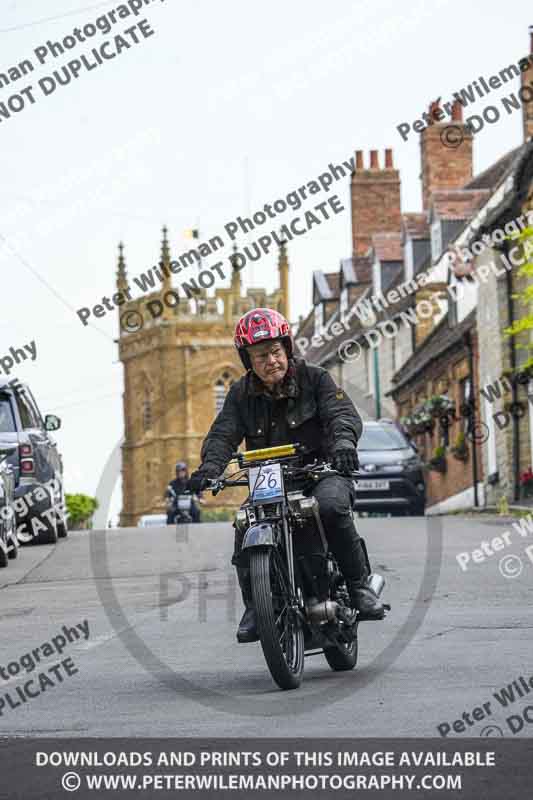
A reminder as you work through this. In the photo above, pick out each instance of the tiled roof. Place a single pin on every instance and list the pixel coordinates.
(387, 246)
(328, 349)
(441, 339)
(492, 176)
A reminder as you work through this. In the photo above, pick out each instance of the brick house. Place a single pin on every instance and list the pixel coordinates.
(481, 287)
(411, 329)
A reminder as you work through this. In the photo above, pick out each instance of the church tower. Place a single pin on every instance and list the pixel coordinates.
(178, 367)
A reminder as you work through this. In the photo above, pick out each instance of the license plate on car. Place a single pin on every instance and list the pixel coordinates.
(375, 486)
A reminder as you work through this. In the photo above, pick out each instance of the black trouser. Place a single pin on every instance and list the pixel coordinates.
(335, 495)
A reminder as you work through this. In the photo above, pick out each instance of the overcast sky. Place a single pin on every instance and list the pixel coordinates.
(228, 106)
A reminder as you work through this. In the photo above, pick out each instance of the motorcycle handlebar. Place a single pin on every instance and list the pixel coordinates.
(216, 485)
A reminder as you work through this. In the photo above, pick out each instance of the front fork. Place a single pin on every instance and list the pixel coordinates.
(297, 603)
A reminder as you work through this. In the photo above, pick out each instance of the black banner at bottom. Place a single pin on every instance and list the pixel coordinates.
(47, 769)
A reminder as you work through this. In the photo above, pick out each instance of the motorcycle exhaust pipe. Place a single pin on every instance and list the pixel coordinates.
(375, 583)
(326, 611)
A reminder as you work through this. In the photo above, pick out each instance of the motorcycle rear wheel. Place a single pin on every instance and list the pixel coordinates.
(343, 657)
(281, 636)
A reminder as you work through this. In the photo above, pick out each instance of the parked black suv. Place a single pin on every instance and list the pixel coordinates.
(37, 464)
(390, 477)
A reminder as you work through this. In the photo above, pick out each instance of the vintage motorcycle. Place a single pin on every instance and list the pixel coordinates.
(182, 504)
(300, 596)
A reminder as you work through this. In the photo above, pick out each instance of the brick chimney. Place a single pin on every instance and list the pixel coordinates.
(526, 79)
(375, 196)
(445, 153)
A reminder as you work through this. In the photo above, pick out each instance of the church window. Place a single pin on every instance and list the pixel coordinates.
(221, 389)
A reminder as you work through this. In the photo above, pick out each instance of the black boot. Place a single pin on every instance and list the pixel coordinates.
(365, 601)
(247, 630)
(354, 566)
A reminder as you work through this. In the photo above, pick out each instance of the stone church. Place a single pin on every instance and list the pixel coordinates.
(177, 370)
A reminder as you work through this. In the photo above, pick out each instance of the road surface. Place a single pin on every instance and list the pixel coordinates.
(161, 658)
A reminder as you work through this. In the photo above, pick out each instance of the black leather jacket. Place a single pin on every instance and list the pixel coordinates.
(310, 410)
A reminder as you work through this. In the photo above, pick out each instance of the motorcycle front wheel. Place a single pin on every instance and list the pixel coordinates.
(280, 632)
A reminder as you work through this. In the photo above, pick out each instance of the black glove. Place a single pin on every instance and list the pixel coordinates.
(345, 460)
(200, 479)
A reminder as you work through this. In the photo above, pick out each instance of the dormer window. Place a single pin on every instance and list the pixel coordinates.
(436, 240)
(319, 318)
(344, 302)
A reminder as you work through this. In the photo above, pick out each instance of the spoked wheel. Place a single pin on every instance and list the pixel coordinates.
(281, 634)
(343, 656)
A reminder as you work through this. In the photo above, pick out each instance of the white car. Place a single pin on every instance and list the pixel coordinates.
(152, 521)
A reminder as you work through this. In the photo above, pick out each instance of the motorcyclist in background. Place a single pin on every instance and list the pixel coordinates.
(280, 400)
(178, 486)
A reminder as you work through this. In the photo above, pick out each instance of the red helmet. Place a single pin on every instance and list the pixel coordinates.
(261, 325)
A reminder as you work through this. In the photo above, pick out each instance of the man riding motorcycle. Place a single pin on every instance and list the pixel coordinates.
(281, 400)
(178, 486)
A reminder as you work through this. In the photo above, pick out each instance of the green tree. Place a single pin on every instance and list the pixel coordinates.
(80, 508)
(525, 297)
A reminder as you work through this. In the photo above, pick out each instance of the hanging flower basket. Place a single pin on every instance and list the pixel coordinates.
(438, 462)
(421, 421)
(460, 449)
(439, 405)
